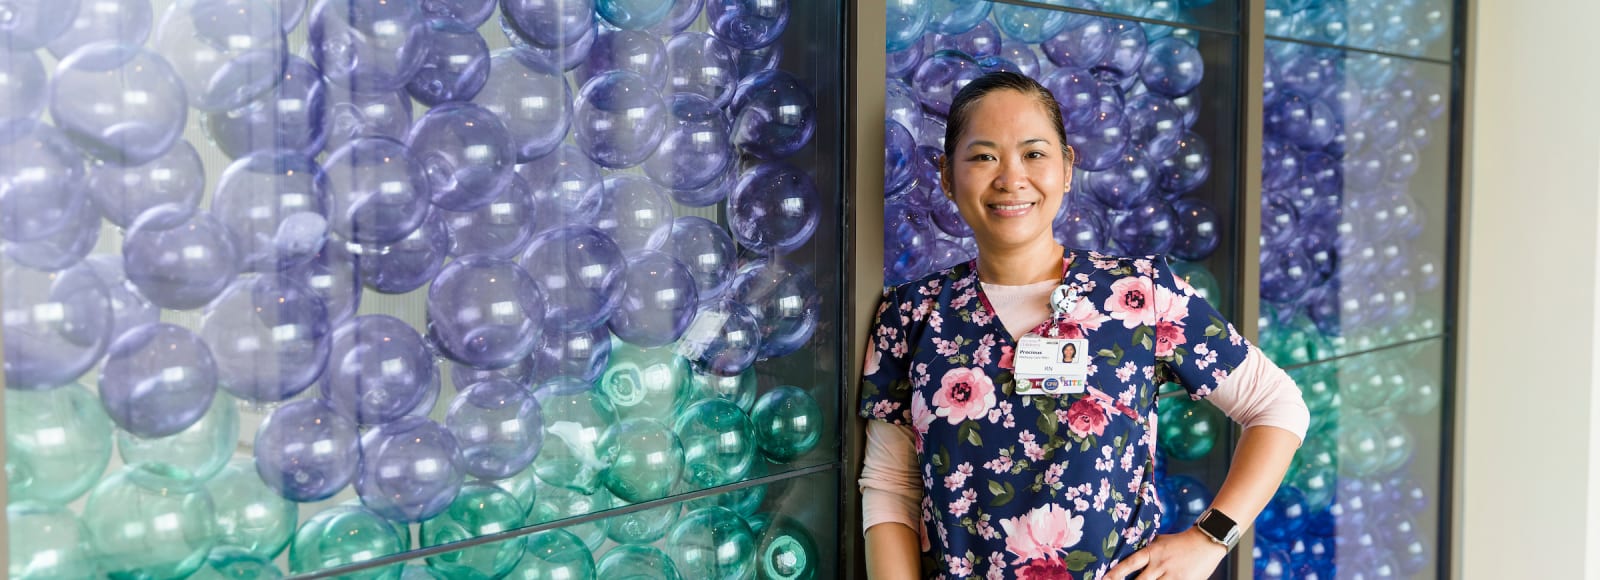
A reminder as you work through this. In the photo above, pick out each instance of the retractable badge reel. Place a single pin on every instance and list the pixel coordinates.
(1053, 366)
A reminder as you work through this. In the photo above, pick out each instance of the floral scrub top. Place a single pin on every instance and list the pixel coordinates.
(1040, 486)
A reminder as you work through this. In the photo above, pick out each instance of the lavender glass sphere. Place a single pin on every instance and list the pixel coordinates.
(747, 24)
(408, 264)
(368, 47)
(456, 66)
(1172, 67)
(723, 339)
(941, 76)
(57, 325)
(179, 263)
(23, 91)
(352, 115)
(500, 229)
(377, 189)
(631, 50)
(41, 184)
(695, 149)
(579, 356)
(485, 312)
(410, 469)
(531, 98)
(122, 104)
(305, 451)
(658, 300)
(549, 23)
(702, 64)
(620, 119)
(581, 268)
(704, 247)
(567, 188)
(634, 210)
(783, 298)
(290, 116)
(126, 22)
(775, 207)
(499, 427)
(63, 248)
(128, 308)
(469, 13)
(157, 380)
(1124, 185)
(226, 52)
(334, 274)
(276, 203)
(774, 115)
(466, 154)
(270, 336)
(378, 369)
(1157, 126)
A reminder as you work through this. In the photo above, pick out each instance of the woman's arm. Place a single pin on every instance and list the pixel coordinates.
(891, 502)
(893, 552)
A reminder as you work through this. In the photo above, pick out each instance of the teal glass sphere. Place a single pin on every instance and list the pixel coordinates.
(198, 451)
(786, 551)
(745, 501)
(645, 382)
(713, 543)
(739, 389)
(480, 509)
(1200, 278)
(47, 542)
(1361, 445)
(559, 503)
(643, 458)
(573, 425)
(523, 485)
(147, 522)
(1189, 429)
(58, 442)
(634, 562)
(414, 571)
(250, 516)
(1369, 382)
(346, 534)
(1422, 395)
(228, 563)
(788, 423)
(1319, 388)
(719, 444)
(554, 555)
(1296, 341)
(644, 526)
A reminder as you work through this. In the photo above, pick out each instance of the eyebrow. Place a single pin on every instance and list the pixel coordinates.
(1023, 143)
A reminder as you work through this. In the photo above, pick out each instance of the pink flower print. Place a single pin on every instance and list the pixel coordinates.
(935, 321)
(921, 419)
(997, 561)
(931, 288)
(982, 316)
(958, 478)
(1183, 285)
(1050, 569)
(882, 409)
(1145, 267)
(960, 567)
(1082, 318)
(1169, 336)
(961, 301)
(1219, 375)
(923, 309)
(999, 464)
(964, 394)
(1135, 482)
(1207, 359)
(946, 347)
(981, 357)
(1132, 535)
(1121, 512)
(1087, 416)
(1201, 349)
(1080, 504)
(1171, 306)
(1052, 475)
(1005, 357)
(960, 506)
(874, 357)
(1125, 372)
(1043, 532)
(986, 530)
(1132, 301)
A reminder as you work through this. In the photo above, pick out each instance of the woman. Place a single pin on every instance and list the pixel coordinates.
(972, 469)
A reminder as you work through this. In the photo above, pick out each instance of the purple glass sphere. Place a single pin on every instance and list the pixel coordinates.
(702, 64)
(41, 184)
(581, 269)
(270, 335)
(63, 248)
(659, 297)
(126, 22)
(941, 76)
(1199, 230)
(1187, 168)
(305, 451)
(352, 115)
(695, 149)
(334, 274)
(747, 24)
(619, 119)
(633, 211)
(567, 188)
(369, 47)
(1103, 138)
(121, 104)
(179, 263)
(499, 427)
(723, 340)
(276, 204)
(1172, 67)
(377, 189)
(410, 469)
(407, 264)
(1148, 229)
(501, 229)
(466, 154)
(775, 207)
(703, 246)
(531, 98)
(123, 193)
(290, 117)
(1157, 125)
(470, 13)
(57, 325)
(456, 66)
(485, 312)
(378, 369)
(1127, 183)
(559, 58)
(774, 115)
(550, 23)
(227, 52)
(634, 51)
(580, 356)
(1078, 226)
(157, 380)
(784, 299)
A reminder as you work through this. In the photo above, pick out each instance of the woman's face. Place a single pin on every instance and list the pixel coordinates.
(1008, 174)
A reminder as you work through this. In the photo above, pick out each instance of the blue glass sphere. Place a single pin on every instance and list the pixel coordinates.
(41, 184)
(23, 91)
(1199, 230)
(500, 229)
(379, 369)
(775, 207)
(905, 21)
(580, 355)
(634, 51)
(1183, 499)
(774, 115)
(702, 64)
(306, 451)
(695, 149)
(158, 380)
(410, 263)
(550, 23)
(485, 312)
(410, 469)
(581, 269)
(1078, 226)
(369, 47)
(704, 247)
(787, 422)
(270, 335)
(275, 203)
(619, 119)
(659, 297)
(566, 188)
(1172, 67)
(1188, 166)
(784, 299)
(58, 442)
(499, 427)
(899, 63)
(1080, 44)
(179, 263)
(120, 103)
(466, 154)
(351, 115)
(57, 325)
(124, 193)
(1028, 24)
(1124, 185)
(632, 211)
(941, 76)
(747, 24)
(1102, 139)
(226, 52)
(723, 340)
(33, 24)
(456, 65)
(1148, 229)
(290, 116)
(1157, 125)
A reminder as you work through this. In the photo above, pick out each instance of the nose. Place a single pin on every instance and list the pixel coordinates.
(1013, 176)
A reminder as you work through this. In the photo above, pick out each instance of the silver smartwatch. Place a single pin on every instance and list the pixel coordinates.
(1219, 527)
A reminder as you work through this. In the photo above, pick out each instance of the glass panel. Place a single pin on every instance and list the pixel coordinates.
(1414, 28)
(1361, 499)
(333, 267)
(938, 22)
(767, 531)
(1153, 174)
(1355, 202)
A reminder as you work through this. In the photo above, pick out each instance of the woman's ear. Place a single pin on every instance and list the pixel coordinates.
(1071, 158)
(944, 176)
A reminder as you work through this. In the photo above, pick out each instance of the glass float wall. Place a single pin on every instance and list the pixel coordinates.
(1152, 112)
(1357, 226)
(306, 287)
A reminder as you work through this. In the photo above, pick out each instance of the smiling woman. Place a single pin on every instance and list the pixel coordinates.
(1001, 452)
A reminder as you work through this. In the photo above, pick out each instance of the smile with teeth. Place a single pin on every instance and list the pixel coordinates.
(1011, 207)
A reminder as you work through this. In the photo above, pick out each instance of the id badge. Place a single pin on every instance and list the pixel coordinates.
(1051, 366)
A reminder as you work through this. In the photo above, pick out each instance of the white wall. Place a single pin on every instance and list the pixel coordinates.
(1530, 469)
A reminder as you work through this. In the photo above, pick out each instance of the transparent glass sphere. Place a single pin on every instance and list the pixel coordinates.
(644, 526)
(695, 149)
(633, 211)
(739, 389)
(485, 311)
(276, 205)
(157, 380)
(569, 457)
(457, 63)
(566, 188)
(34, 23)
(713, 542)
(120, 103)
(581, 268)
(58, 442)
(55, 543)
(636, 561)
(379, 369)
(773, 115)
(57, 325)
(409, 263)
(410, 469)
(702, 64)
(196, 453)
(643, 459)
(788, 423)
(180, 262)
(23, 91)
(41, 183)
(145, 523)
(783, 297)
(581, 355)
(351, 115)
(659, 297)
(724, 339)
(251, 517)
(748, 24)
(370, 47)
(480, 509)
(719, 443)
(501, 229)
(226, 52)
(554, 555)
(466, 153)
(499, 426)
(346, 534)
(774, 207)
(550, 23)
(645, 382)
(306, 451)
(556, 503)
(787, 551)
(270, 335)
(619, 119)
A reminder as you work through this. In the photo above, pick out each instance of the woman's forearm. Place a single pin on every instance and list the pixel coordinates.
(893, 552)
(1259, 462)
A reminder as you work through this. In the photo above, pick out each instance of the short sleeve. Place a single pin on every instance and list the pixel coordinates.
(885, 380)
(1195, 347)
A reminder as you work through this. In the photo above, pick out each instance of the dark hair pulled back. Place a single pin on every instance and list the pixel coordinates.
(969, 95)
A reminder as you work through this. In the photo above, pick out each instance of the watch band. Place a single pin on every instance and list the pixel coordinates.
(1219, 528)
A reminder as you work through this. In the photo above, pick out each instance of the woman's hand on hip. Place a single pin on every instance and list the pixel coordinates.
(1186, 555)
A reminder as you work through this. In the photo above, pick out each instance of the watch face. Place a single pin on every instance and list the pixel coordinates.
(1219, 526)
